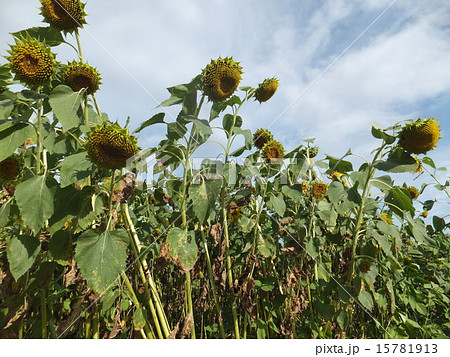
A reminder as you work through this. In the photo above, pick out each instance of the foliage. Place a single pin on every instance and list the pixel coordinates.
(269, 247)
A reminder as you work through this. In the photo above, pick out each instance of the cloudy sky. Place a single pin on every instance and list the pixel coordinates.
(340, 64)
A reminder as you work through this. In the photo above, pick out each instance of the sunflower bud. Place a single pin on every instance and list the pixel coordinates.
(266, 89)
(413, 192)
(64, 15)
(420, 136)
(110, 146)
(261, 137)
(221, 78)
(78, 75)
(11, 169)
(273, 151)
(32, 62)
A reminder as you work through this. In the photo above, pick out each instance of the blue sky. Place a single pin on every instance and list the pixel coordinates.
(399, 68)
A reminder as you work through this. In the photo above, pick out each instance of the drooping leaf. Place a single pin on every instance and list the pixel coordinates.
(4, 213)
(277, 204)
(59, 245)
(66, 105)
(203, 197)
(22, 252)
(366, 300)
(6, 107)
(156, 119)
(35, 200)
(101, 257)
(14, 136)
(400, 199)
(182, 248)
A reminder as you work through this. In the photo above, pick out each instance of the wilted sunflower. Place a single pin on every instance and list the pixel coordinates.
(110, 146)
(261, 137)
(273, 151)
(266, 89)
(310, 152)
(319, 189)
(413, 192)
(221, 78)
(32, 62)
(78, 75)
(420, 136)
(11, 169)
(64, 15)
(419, 165)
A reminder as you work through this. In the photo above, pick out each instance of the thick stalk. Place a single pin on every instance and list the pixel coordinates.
(80, 52)
(360, 214)
(39, 135)
(96, 325)
(143, 266)
(111, 191)
(213, 286)
(189, 301)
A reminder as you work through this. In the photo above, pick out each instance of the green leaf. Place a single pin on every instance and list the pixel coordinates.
(202, 125)
(176, 130)
(182, 248)
(366, 300)
(343, 319)
(277, 204)
(139, 319)
(438, 223)
(401, 199)
(397, 161)
(35, 200)
(6, 107)
(380, 134)
(49, 35)
(339, 165)
(247, 134)
(14, 136)
(75, 168)
(59, 245)
(293, 194)
(4, 213)
(22, 252)
(66, 105)
(156, 119)
(260, 329)
(229, 121)
(428, 161)
(311, 248)
(203, 196)
(101, 257)
(173, 100)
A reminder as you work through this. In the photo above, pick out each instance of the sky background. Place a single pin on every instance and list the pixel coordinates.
(398, 69)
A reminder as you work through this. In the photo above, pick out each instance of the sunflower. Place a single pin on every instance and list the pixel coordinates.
(386, 218)
(413, 192)
(32, 62)
(110, 146)
(266, 89)
(221, 78)
(305, 188)
(420, 136)
(310, 151)
(319, 189)
(11, 169)
(419, 165)
(64, 15)
(78, 75)
(273, 151)
(261, 137)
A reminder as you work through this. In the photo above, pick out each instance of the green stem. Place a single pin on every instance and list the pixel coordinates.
(39, 135)
(189, 302)
(111, 191)
(96, 325)
(97, 107)
(213, 286)
(360, 214)
(88, 327)
(80, 52)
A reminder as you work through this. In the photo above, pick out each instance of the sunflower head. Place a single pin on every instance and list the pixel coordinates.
(413, 192)
(110, 146)
(234, 215)
(261, 137)
(273, 151)
(310, 151)
(319, 189)
(420, 136)
(11, 169)
(305, 188)
(79, 75)
(221, 78)
(266, 89)
(64, 15)
(32, 62)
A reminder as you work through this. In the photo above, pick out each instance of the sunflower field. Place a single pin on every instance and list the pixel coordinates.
(256, 243)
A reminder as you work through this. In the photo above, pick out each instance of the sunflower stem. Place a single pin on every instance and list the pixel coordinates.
(39, 135)
(80, 52)
(111, 191)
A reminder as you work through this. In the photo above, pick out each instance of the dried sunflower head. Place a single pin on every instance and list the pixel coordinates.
(266, 89)
(11, 169)
(273, 151)
(64, 15)
(319, 189)
(310, 151)
(79, 75)
(32, 62)
(110, 146)
(413, 192)
(221, 78)
(420, 136)
(261, 137)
